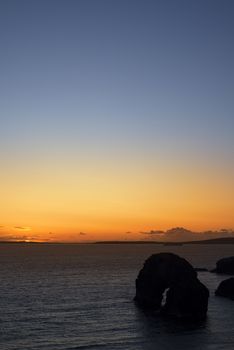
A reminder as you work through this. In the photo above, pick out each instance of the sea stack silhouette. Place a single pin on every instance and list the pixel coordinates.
(186, 296)
(226, 289)
(225, 266)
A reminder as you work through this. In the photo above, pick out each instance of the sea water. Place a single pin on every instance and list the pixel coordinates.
(66, 297)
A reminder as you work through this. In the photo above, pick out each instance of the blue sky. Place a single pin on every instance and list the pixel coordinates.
(132, 70)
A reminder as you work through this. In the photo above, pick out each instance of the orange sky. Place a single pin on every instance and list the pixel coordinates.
(104, 201)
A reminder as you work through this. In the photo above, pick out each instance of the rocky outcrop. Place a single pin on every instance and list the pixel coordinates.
(186, 296)
(226, 289)
(225, 266)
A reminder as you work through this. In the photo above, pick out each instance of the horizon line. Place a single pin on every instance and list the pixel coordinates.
(219, 239)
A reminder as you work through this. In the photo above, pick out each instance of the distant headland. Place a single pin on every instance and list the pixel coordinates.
(223, 240)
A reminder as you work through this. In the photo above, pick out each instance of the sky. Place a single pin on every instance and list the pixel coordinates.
(116, 118)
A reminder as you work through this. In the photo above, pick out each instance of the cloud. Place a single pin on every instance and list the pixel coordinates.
(6, 238)
(220, 233)
(153, 232)
(183, 234)
(22, 228)
(14, 238)
(175, 233)
(82, 234)
(178, 230)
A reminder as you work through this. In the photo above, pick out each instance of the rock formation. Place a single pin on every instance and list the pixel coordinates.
(186, 296)
(226, 289)
(225, 265)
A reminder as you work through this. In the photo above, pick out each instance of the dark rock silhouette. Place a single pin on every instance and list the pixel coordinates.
(200, 269)
(226, 289)
(225, 266)
(186, 296)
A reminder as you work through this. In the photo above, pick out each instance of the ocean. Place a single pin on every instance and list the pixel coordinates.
(67, 297)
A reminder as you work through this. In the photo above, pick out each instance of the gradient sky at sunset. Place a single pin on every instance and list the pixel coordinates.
(116, 116)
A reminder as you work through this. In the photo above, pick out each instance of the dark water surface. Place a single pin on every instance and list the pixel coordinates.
(80, 297)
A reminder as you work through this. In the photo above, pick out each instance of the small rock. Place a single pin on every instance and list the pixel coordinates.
(225, 266)
(226, 289)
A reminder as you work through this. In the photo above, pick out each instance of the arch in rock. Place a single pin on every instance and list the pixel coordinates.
(186, 295)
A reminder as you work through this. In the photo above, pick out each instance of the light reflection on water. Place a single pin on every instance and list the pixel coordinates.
(80, 297)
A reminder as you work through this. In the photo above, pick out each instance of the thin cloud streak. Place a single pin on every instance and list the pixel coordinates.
(82, 233)
(22, 228)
